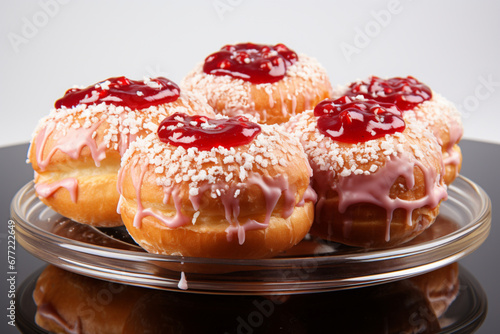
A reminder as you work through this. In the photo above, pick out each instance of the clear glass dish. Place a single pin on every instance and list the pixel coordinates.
(313, 265)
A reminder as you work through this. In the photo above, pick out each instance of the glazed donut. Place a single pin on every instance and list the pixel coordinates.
(216, 187)
(271, 83)
(76, 150)
(418, 102)
(378, 178)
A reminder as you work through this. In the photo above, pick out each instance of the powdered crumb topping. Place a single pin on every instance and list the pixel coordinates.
(367, 157)
(237, 93)
(174, 165)
(120, 120)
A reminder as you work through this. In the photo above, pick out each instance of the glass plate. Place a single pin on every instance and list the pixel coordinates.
(313, 265)
(457, 305)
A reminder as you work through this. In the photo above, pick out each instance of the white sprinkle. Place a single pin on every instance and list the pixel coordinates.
(193, 191)
(195, 216)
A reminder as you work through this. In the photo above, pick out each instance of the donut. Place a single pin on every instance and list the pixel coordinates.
(418, 102)
(439, 286)
(70, 303)
(378, 177)
(76, 150)
(395, 307)
(270, 83)
(216, 187)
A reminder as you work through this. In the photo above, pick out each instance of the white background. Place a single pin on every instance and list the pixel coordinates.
(48, 46)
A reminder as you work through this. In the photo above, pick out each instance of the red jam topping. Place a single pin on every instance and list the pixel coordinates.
(406, 93)
(206, 133)
(353, 121)
(256, 63)
(121, 91)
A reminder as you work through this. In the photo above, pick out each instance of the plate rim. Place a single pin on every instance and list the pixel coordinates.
(481, 221)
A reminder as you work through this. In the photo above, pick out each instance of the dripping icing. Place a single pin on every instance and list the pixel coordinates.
(71, 143)
(273, 190)
(375, 188)
(45, 190)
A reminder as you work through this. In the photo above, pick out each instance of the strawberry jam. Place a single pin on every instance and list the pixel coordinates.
(406, 93)
(121, 91)
(206, 133)
(256, 63)
(353, 121)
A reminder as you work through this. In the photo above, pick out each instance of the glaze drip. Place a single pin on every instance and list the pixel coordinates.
(45, 190)
(273, 190)
(183, 284)
(375, 188)
(48, 311)
(71, 143)
(173, 222)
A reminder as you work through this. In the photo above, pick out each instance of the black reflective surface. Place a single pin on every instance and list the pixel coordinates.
(481, 161)
(448, 300)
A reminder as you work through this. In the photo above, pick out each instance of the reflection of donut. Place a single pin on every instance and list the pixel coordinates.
(221, 188)
(90, 235)
(70, 303)
(76, 149)
(378, 178)
(440, 287)
(268, 82)
(398, 307)
(418, 102)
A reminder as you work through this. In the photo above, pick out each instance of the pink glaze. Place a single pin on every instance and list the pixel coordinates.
(284, 109)
(452, 157)
(183, 284)
(45, 190)
(48, 311)
(124, 142)
(178, 220)
(309, 196)
(272, 189)
(456, 133)
(375, 188)
(294, 104)
(120, 200)
(71, 143)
